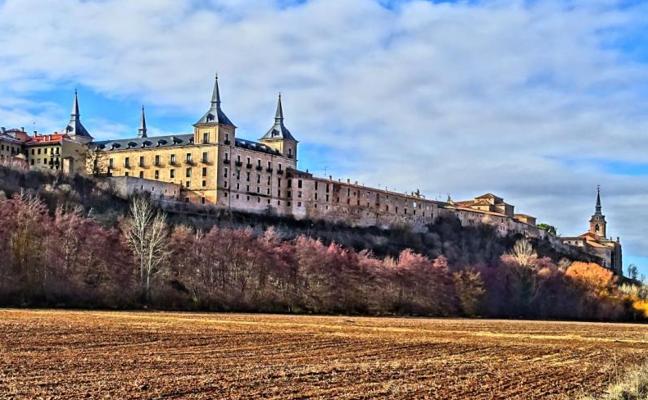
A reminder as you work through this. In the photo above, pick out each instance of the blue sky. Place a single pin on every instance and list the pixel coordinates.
(538, 101)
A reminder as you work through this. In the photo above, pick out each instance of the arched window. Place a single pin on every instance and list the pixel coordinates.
(596, 228)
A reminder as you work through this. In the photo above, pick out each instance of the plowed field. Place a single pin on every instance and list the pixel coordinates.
(70, 354)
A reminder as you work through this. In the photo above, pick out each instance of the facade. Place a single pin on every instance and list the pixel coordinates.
(595, 242)
(212, 166)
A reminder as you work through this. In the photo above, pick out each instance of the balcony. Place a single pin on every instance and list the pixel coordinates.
(227, 142)
(189, 161)
(174, 163)
(259, 168)
(205, 161)
(269, 170)
(226, 161)
(248, 166)
(238, 164)
(127, 166)
(280, 171)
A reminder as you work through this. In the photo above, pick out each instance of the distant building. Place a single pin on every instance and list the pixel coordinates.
(595, 242)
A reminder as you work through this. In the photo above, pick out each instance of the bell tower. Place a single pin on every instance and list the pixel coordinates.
(598, 225)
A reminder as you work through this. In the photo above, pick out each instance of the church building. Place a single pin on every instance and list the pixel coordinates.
(596, 242)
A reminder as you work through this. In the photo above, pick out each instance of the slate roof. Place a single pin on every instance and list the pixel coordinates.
(170, 141)
(75, 127)
(215, 114)
(278, 130)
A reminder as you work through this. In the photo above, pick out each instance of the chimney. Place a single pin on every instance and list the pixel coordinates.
(22, 128)
(3, 129)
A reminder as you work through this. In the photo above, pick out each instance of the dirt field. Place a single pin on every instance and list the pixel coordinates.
(62, 354)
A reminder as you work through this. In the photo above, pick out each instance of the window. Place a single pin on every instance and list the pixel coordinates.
(127, 162)
(157, 160)
(188, 157)
(157, 174)
(125, 173)
(110, 162)
(206, 137)
(204, 157)
(39, 151)
(226, 174)
(204, 172)
(187, 183)
(299, 183)
(172, 173)
(141, 174)
(141, 161)
(258, 178)
(204, 183)
(188, 173)
(173, 159)
(247, 176)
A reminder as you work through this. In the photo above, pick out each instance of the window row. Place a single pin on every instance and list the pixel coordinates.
(157, 160)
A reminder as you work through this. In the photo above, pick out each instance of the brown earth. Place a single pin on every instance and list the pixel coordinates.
(77, 354)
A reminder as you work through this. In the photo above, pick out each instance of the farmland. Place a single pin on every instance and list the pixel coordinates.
(82, 354)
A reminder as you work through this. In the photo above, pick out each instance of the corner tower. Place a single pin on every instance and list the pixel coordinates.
(279, 137)
(75, 128)
(598, 225)
(214, 127)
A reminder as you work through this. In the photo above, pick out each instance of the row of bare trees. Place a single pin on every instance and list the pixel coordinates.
(68, 259)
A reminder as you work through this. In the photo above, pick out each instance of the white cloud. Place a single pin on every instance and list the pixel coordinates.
(460, 98)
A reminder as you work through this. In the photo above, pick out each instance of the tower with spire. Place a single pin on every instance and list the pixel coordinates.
(214, 126)
(279, 137)
(142, 132)
(75, 128)
(598, 225)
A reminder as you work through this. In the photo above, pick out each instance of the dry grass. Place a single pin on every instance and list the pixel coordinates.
(66, 354)
(633, 386)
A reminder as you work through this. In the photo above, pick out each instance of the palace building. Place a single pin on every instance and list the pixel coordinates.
(212, 167)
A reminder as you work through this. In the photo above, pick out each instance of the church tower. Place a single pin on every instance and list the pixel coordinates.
(279, 137)
(598, 225)
(214, 127)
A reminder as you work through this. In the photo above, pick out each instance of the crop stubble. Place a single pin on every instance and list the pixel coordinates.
(77, 354)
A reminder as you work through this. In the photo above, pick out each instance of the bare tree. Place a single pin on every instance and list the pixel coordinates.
(524, 254)
(147, 235)
(96, 162)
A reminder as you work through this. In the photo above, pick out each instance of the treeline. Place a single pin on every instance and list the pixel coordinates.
(67, 259)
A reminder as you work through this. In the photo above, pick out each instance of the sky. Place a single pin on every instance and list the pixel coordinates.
(538, 101)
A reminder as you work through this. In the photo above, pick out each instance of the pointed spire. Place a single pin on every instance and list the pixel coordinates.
(141, 132)
(279, 117)
(278, 130)
(216, 100)
(75, 106)
(598, 200)
(75, 128)
(215, 114)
